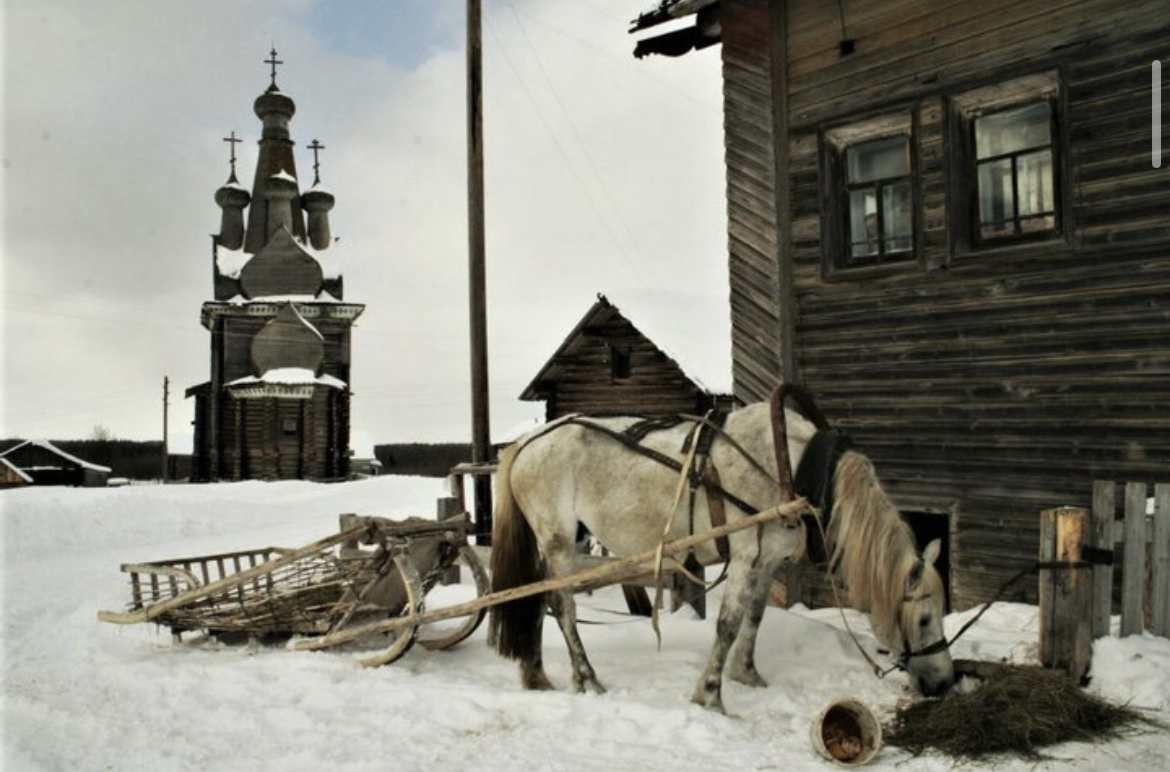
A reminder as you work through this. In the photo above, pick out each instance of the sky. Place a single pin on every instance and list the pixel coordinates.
(603, 174)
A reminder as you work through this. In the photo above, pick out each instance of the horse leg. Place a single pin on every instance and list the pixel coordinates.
(708, 691)
(532, 675)
(564, 606)
(743, 656)
(776, 545)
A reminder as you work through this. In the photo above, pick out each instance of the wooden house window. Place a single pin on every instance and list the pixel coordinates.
(869, 193)
(619, 362)
(879, 212)
(1006, 165)
(1014, 173)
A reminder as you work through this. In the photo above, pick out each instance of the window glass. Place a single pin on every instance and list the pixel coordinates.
(897, 216)
(1034, 172)
(1013, 130)
(863, 222)
(877, 160)
(996, 196)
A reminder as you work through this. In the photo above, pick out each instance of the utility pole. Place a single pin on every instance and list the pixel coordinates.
(480, 425)
(166, 413)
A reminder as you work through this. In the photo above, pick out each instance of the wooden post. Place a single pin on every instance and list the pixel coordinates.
(1160, 594)
(448, 507)
(1133, 576)
(480, 428)
(1065, 592)
(166, 411)
(1101, 537)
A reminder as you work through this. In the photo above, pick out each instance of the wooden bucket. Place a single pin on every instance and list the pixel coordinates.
(846, 732)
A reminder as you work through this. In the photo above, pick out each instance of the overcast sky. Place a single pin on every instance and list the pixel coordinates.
(603, 174)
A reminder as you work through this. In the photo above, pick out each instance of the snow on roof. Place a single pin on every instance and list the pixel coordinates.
(283, 175)
(291, 376)
(322, 297)
(15, 470)
(229, 262)
(330, 262)
(46, 445)
(304, 321)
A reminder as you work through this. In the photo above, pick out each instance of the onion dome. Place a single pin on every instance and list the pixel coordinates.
(275, 104)
(232, 198)
(280, 190)
(317, 202)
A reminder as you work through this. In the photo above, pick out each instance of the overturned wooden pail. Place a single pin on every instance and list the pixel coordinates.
(846, 732)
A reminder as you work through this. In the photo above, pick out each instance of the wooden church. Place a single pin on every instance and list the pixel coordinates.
(277, 404)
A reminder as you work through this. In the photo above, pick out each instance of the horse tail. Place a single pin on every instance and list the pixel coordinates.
(515, 625)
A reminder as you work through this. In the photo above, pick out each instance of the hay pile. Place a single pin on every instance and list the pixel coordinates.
(1015, 712)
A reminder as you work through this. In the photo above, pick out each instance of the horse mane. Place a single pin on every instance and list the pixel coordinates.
(872, 550)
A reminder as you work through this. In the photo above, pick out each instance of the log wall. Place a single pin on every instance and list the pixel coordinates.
(988, 384)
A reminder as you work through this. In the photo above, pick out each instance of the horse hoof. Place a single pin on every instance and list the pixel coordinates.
(712, 701)
(537, 683)
(588, 685)
(748, 677)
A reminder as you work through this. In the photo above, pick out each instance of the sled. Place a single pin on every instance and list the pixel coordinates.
(374, 569)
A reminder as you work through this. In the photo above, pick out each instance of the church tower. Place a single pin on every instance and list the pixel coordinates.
(277, 404)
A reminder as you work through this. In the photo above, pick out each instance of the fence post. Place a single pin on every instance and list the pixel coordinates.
(448, 507)
(1133, 577)
(1160, 597)
(1101, 537)
(1065, 592)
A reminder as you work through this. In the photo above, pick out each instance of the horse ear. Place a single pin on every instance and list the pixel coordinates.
(931, 553)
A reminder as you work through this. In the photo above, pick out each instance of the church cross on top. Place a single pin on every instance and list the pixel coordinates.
(316, 146)
(234, 141)
(273, 61)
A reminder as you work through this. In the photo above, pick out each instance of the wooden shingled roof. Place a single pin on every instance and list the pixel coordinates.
(582, 362)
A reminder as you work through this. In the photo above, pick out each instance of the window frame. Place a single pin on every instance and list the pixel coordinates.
(964, 110)
(836, 234)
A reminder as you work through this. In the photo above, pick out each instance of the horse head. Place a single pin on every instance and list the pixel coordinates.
(922, 645)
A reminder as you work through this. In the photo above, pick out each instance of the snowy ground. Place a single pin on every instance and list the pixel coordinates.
(82, 695)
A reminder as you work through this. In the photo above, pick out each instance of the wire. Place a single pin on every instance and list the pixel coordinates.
(621, 248)
(629, 234)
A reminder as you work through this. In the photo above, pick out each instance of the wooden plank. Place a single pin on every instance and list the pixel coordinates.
(1065, 592)
(1160, 569)
(1101, 537)
(611, 573)
(1133, 577)
(210, 588)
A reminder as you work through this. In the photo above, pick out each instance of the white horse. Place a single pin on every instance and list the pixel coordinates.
(567, 473)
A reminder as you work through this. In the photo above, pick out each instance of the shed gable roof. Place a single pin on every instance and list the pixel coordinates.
(602, 314)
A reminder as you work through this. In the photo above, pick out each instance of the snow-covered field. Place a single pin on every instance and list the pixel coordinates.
(79, 694)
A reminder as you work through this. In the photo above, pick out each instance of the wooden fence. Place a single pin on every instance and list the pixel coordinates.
(1078, 567)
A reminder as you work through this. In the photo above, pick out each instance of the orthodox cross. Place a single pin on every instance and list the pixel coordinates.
(234, 141)
(273, 61)
(315, 146)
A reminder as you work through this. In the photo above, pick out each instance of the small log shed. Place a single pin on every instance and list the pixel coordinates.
(45, 464)
(606, 366)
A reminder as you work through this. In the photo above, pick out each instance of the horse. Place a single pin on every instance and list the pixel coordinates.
(575, 471)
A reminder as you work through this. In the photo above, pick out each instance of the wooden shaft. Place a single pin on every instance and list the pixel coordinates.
(155, 609)
(607, 574)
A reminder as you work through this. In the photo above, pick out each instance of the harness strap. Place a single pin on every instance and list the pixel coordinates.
(665, 460)
(715, 508)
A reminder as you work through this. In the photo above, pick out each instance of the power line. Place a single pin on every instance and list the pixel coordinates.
(631, 262)
(572, 128)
